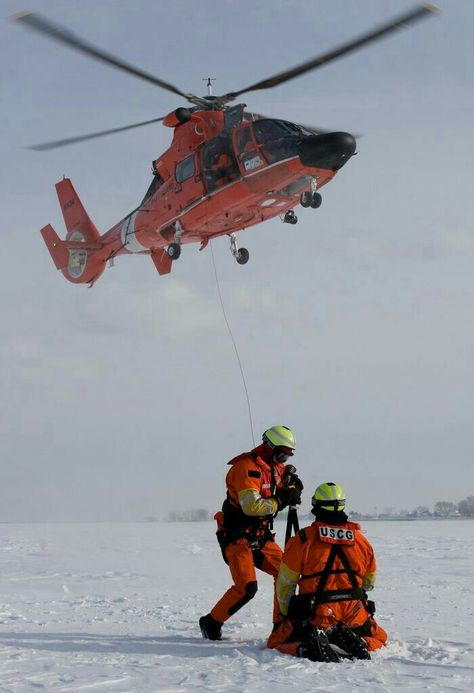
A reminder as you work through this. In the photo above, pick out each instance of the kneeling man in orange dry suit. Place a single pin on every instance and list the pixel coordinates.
(333, 565)
(258, 486)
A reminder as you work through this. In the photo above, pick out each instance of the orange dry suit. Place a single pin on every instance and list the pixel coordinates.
(245, 524)
(333, 566)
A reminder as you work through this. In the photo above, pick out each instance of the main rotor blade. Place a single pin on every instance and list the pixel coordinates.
(325, 58)
(72, 140)
(63, 35)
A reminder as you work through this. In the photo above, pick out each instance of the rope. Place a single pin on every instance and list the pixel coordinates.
(234, 344)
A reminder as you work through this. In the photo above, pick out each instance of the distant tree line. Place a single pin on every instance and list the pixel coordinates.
(465, 508)
(195, 515)
(442, 509)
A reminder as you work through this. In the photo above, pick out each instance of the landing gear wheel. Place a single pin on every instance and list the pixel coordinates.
(174, 251)
(305, 199)
(316, 200)
(290, 217)
(242, 256)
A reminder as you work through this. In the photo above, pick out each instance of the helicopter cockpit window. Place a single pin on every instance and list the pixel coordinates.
(278, 138)
(185, 169)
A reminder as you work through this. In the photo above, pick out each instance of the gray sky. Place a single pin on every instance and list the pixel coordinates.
(354, 327)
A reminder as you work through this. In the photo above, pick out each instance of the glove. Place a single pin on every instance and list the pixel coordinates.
(369, 604)
(291, 478)
(287, 496)
(294, 480)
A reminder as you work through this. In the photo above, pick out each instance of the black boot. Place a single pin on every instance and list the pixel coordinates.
(210, 628)
(347, 640)
(318, 648)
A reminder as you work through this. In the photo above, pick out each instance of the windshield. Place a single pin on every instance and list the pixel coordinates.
(267, 129)
(278, 138)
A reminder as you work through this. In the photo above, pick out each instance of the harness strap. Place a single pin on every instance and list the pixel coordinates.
(303, 538)
(341, 595)
(320, 572)
(348, 567)
(321, 595)
(325, 574)
(237, 525)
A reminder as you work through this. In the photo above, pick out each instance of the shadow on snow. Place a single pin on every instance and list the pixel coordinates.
(178, 646)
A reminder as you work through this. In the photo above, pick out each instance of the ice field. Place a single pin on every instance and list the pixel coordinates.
(114, 607)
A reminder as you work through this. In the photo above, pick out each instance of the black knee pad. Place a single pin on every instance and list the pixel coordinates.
(251, 589)
(250, 592)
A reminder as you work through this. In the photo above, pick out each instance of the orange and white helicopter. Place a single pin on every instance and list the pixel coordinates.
(226, 169)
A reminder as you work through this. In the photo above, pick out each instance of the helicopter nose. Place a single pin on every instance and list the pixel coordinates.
(331, 150)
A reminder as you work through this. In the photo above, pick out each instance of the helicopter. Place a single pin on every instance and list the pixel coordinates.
(227, 169)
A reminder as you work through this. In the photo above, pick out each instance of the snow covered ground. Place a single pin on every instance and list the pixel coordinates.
(114, 607)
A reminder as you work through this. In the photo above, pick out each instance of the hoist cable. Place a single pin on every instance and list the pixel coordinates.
(234, 343)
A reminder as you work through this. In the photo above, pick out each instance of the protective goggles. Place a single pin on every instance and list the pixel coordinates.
(329, 505)
(282, 454)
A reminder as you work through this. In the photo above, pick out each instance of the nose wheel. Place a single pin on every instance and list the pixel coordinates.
(308, 199)
(311, 198)
(241, 254)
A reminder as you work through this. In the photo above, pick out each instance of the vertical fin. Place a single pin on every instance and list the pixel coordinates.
(162, 261)
(75, 216)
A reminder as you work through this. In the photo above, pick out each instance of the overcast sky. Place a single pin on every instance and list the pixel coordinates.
(354, 328)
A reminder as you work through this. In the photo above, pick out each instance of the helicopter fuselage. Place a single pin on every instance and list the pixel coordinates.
(226, 169)
(222, 173)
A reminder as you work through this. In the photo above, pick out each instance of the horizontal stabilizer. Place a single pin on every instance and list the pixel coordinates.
(162, 261)
(57, 248)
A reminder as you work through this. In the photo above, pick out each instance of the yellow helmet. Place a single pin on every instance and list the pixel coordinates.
(279, 436)
(329, 496)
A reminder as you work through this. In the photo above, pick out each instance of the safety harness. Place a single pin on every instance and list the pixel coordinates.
(302, 606)
(235, 524)
(323, 596)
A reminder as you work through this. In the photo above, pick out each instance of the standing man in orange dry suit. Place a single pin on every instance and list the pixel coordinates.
(333, 565)
(258, 486)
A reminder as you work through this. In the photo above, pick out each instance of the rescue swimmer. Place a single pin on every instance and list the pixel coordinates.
(258, 487)
(333, 565)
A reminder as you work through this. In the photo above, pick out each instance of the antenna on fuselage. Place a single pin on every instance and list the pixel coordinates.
(209, 84)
